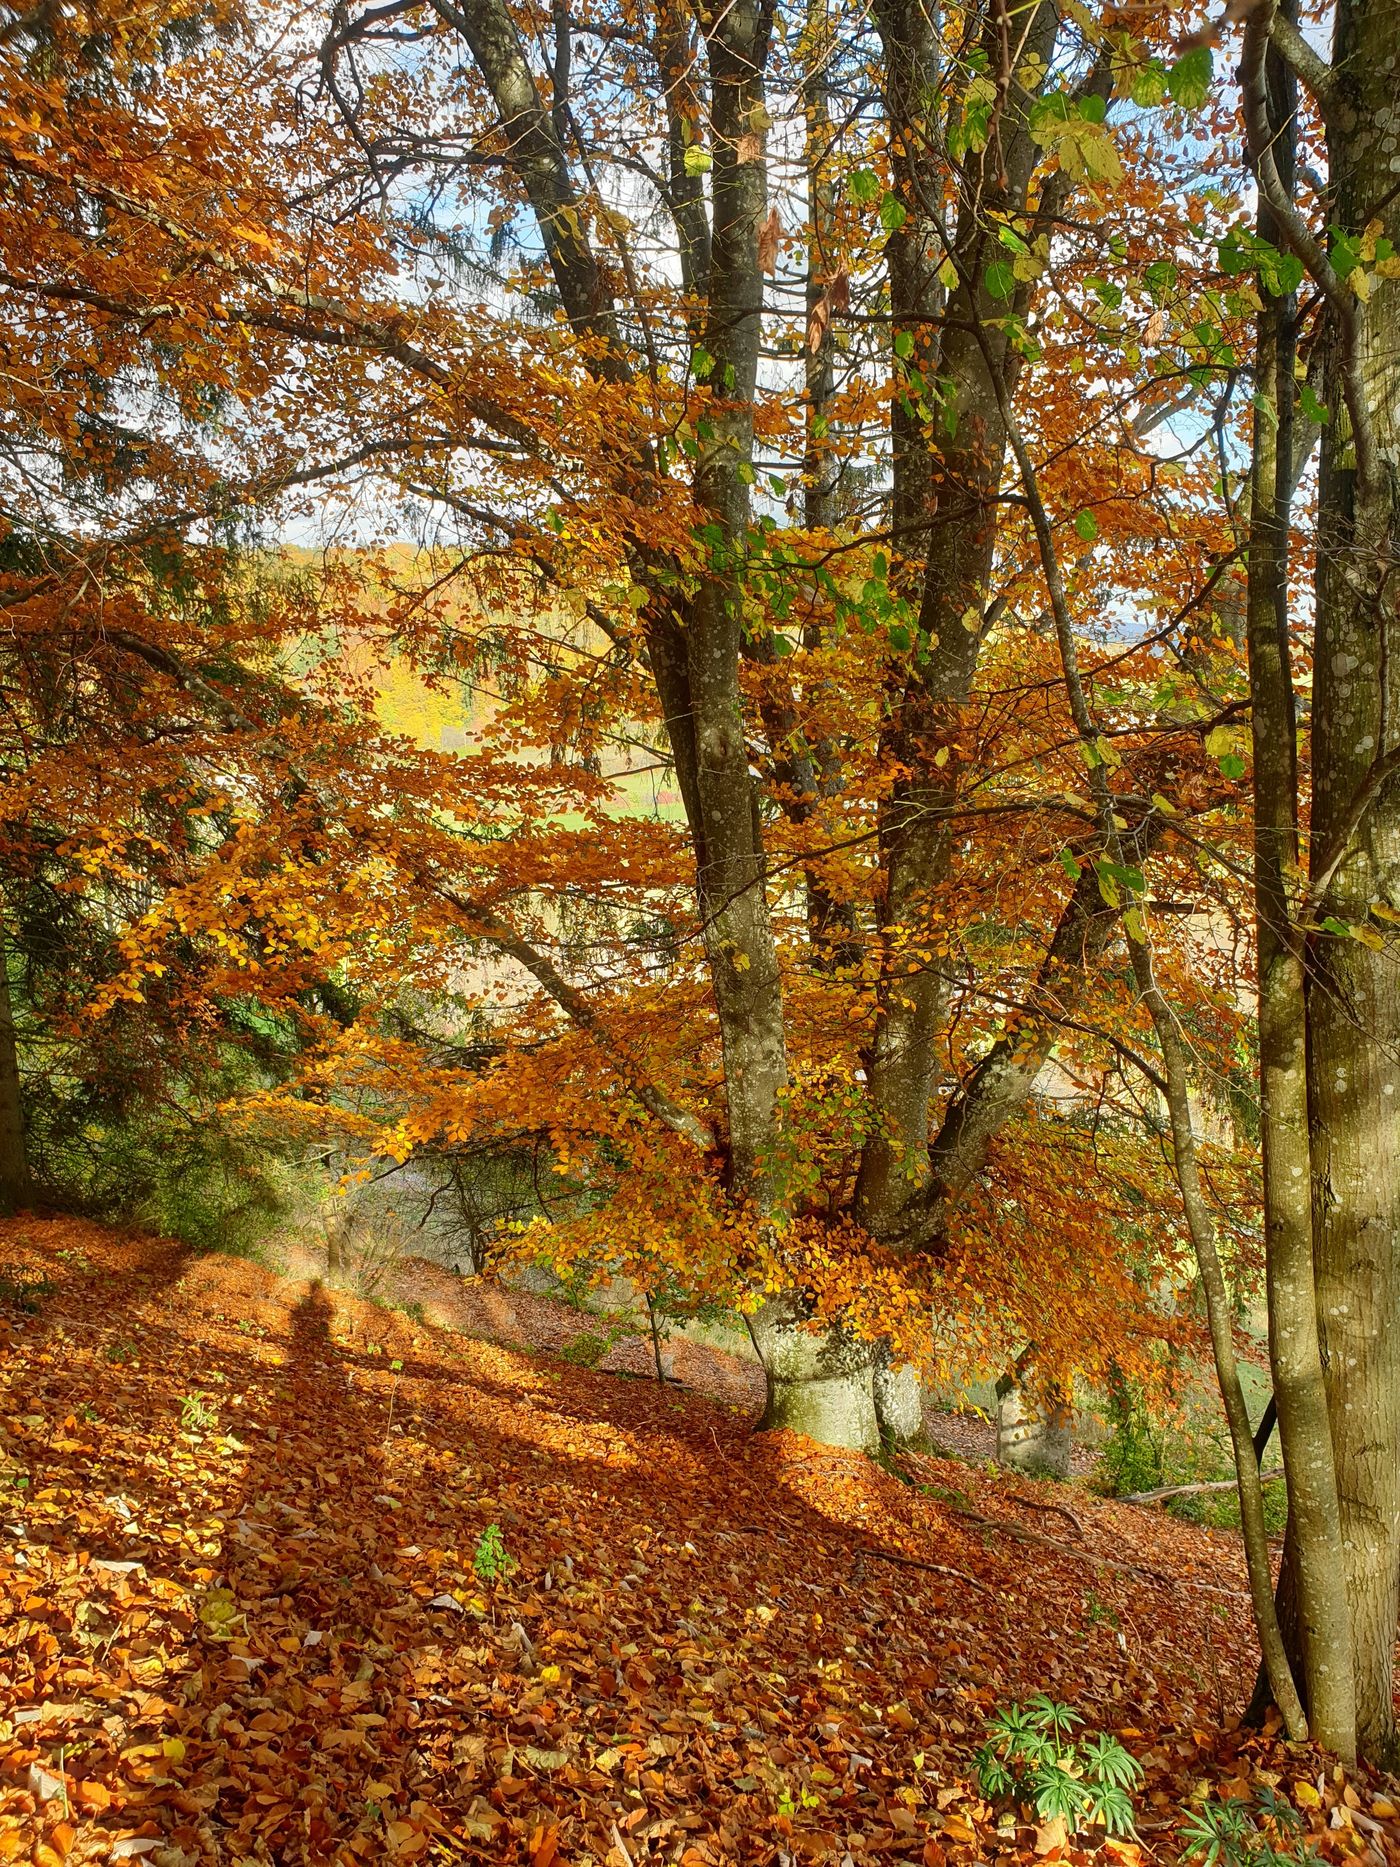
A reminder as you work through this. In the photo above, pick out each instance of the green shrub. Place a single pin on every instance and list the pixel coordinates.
(1132, 1457)
(492, 1561)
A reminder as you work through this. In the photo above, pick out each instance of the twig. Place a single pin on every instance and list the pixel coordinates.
(934, 1568)
(1062, 1510)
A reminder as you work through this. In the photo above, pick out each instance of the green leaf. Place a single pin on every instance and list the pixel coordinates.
(701, 362)
(1311, 407)
(865, 186)
(1150, 85)
(904, 343)
(1243, 251)
(1000, 279)
(1049, 110)
(1345, 253)
(782, 646)
(893, 214)
(899, 636)
(1087, 526)
(1188, 81)
(1159, 278)
(1263, 406)
(1131, 879)
(1093, 109)
(1232, 766)
(1071, 868)
(698, 160)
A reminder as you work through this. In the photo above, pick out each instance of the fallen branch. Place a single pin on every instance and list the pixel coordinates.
(1215, 1484)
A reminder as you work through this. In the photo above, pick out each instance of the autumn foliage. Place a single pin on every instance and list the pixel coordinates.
(675, 605)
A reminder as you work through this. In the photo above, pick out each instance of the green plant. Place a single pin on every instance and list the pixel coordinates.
(1101, 1613)
(1132, 1458)
(587, 1350)
(492, 1561)
(1229, 1834)
(1032, 1757)
(195, 1415)
(26, 1293)
(122, 1352)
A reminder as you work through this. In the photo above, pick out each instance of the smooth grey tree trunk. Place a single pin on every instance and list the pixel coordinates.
(899, 1399)
(1320, 1632)
(1035, 1432)
(16, 1186)
(962, 477)
(1354, 983)
(820, 1382)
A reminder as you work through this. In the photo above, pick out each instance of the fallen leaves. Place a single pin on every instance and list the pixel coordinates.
(248, 1655)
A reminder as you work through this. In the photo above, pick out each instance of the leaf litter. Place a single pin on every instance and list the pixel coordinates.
(241, 1618)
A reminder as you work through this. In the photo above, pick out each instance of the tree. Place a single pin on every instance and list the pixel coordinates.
(1328, 1001)
(680, 504)
(1019, 127)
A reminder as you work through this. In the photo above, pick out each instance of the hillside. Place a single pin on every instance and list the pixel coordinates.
(242, 1623)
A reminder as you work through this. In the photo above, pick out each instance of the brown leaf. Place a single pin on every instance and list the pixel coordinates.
(1052, 1836)
(768, 236)
(817, 323)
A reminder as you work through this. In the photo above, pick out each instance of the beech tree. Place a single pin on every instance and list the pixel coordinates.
(663, 191)
(1328, 1029)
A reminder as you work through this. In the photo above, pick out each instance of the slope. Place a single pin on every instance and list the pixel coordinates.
(250, 1616)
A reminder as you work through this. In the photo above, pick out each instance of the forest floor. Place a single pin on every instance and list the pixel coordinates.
(243, 1616)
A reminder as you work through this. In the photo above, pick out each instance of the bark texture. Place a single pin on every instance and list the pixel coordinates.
(1322, 1655)
(953, 494)
(16, 1187)
(820, 1382)
(1354, 984)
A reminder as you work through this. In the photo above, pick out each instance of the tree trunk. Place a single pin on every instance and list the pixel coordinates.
(899, 1399)
(820, 1382)
(1175, 1086)
(955, 494)
(1321, 1643)
(16, 1188)
(1035, 1432)
(1354, 983)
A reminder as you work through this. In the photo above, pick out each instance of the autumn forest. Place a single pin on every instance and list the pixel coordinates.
(699, 931)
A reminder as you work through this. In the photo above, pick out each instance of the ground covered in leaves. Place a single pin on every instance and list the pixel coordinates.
(241, 1616)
